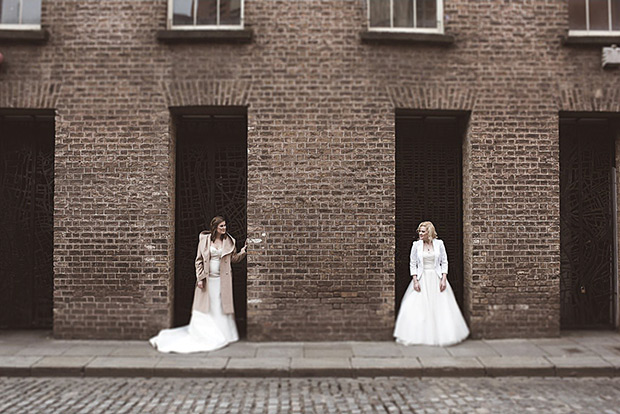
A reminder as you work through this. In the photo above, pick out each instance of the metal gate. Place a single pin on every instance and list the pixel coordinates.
(26, 220)
(211, 179)
(587, 221)
(429, 187)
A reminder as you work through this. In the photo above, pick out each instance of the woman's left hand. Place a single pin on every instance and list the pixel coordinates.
(442, 284)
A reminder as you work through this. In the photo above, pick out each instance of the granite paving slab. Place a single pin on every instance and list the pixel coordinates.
(90, 350)
(497, 366)
(322, 367)
(17, 365)
(186, 366)
(514, 347)
(108, 366)
(376, 349)
(615, 362)
(280, 350)
(263, 367)
(472, 348)
(606, 349)
(60, 366)
(451, 366)
(592, 337)
(6, 349)
(423, 351)
(331, 350)
(237, 350)
(380, 367)
(46, 349)
(563, 348)
(582, 366)
(135, 350)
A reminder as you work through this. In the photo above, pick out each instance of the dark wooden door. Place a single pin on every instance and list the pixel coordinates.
(428, 187)
(587, 211)
(211, 179)
(26, 220)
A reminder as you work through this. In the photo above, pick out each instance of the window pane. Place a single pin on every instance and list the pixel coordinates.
(230, 11)
(182, 12)
(426, 13)
(615, 14)
(599, 15)
(577, 15)
(9, 11)
(379, 13)
(207, 12)
(31, 14)
(403, 13)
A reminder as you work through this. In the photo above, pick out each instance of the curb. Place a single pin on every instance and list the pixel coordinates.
(150, 372)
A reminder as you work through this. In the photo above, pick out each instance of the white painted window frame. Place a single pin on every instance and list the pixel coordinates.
(216, 26)
(589, 32)
(439, 29)
(20, 26)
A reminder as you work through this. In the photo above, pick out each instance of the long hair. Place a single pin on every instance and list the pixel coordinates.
(430, 228)
(213, 226)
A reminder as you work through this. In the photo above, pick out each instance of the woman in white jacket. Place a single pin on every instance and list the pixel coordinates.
(429, 314)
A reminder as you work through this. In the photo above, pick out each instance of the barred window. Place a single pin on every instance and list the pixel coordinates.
(406, 15)
(205, 14)
(20, 14)
(594, 17)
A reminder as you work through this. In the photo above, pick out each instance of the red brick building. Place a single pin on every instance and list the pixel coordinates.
(325, 130)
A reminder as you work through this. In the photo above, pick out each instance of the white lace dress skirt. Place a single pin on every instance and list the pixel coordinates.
(430, 317)
(206, 331)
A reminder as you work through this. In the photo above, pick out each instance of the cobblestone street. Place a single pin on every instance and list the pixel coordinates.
(312, 395)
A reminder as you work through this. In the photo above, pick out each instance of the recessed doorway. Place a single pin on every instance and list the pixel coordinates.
(211, 179)
(27, 219)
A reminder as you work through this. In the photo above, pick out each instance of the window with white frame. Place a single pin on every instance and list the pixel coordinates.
(20, 14)
(205, 14)
(594, 17)
(424, 16)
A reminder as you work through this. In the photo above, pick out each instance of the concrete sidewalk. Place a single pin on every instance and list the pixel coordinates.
(36, 353)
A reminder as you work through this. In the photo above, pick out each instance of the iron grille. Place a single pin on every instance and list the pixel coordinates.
(428, 187)
(587, 268)
(211, 180)
(26, 221)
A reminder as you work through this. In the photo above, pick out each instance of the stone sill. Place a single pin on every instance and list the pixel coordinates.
(26, 36)
(205, 36)
(406, 38)
(590, 40)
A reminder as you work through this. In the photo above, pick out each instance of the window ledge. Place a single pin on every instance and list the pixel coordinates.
(206, 36)
(402, 37)
(30, 36)
(591, 40)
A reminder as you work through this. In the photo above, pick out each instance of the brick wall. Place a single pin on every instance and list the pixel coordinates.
(321, 158)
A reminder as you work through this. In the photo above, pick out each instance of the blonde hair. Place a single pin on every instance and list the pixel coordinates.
(432, 233)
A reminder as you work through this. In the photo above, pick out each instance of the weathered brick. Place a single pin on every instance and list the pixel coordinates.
(321, 158)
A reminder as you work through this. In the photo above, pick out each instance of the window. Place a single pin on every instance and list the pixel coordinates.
(406, 15)
(205, 14)
(594, 17)
(20, 14)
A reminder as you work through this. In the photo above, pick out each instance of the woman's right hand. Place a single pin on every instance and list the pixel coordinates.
(201, 284)
(416, 285)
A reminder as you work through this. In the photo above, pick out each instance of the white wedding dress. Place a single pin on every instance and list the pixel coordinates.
(429, 317)
(206, 331)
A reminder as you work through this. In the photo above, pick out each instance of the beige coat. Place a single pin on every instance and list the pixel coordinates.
(203, 255)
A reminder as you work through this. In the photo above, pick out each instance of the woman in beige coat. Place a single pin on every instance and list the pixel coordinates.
(212, 325)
